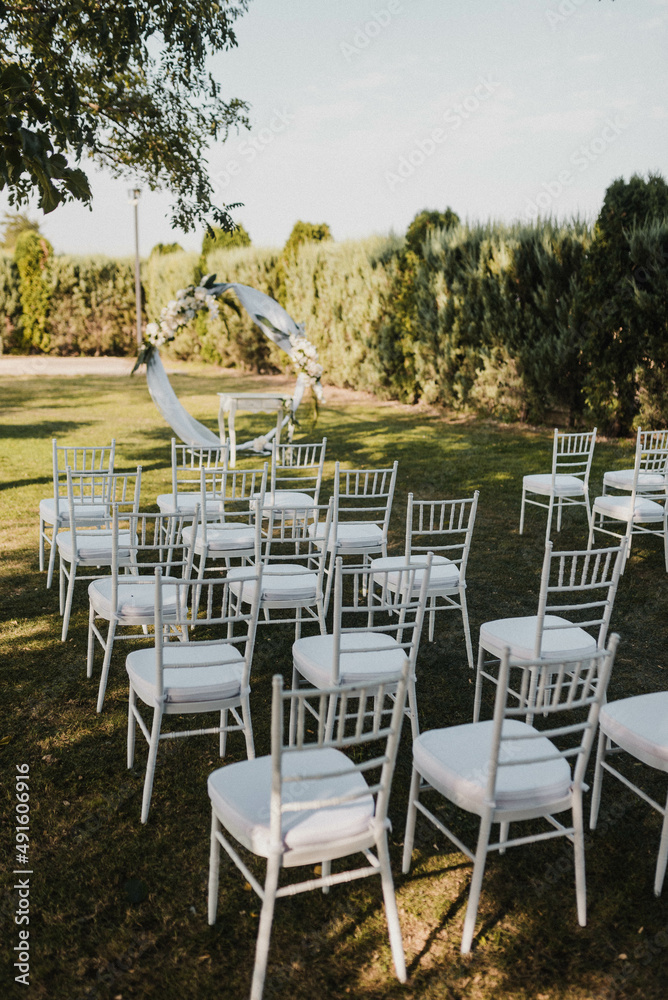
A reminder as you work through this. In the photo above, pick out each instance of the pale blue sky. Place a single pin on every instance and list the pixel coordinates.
(364, 112)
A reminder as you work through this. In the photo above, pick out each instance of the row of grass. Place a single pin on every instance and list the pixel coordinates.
(119, 910)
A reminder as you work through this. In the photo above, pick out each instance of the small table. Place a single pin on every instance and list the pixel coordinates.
(253, 402)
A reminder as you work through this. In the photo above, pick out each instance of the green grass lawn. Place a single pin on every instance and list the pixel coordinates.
(118, 910)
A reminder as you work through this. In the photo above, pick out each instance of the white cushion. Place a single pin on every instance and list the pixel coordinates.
(286, 499)
(622, 479)
(217, 677)
(186, 503)
(564, 485)
(240, 794)
(381, 654)
(456, 761)
(136, 598)
(619, 508)
(82, 511)
(355, 536)
(519, 635)
(94, 546)
(444, 575)
(640, 726)
(285, 583)
(223, 538)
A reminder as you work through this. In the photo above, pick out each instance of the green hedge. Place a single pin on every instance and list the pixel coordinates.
(538, 322)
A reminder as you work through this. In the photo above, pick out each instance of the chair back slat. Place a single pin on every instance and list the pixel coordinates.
(580, 586)
(564, 704)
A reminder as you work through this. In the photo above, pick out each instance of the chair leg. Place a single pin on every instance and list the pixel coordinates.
(411, 816)
(662, 859)
(412, 709)
(598, 780)
(579, 849)
(522, 511)
(70, 596)
(432, 617)
(467, 628)
(41, 545)
(559, 510)
(222, 747)
(132, 725)
(61, 587)
(476, 884)
(52, 557)
(248, 729)
(477, 698)
(106, 663)
(91, 642)
(264, 930)
(503, 836)
(550, 509)
(151, 762)
(326, 868)
(391, 912)
(214, 868)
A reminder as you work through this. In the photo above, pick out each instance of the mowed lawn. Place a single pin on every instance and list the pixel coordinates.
(118, 910)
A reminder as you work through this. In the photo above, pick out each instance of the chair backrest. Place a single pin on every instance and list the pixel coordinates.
(187, 461)
(79, 458)
(144, 542)
(298, 467)
(90, 496)
(221, 623)
(360, 610)
(365, 716)
(289, 537)
(572, 454)
(444, 527)
(235, 495)
(564, 701)
(651, 455)
(365, 495)
(579, 586)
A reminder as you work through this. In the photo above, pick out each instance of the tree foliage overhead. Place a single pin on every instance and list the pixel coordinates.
(124, 83)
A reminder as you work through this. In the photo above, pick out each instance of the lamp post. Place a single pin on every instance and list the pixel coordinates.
(133, 197)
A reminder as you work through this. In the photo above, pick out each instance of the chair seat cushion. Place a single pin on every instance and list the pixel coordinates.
(363, 656)
(286, 499)
(208, 672)
(93, 547)
(622, 479)
(456, 761)
(564, 485)
(83, 512)
(286, 583)
(560, 638)
(186, 503)
(444, 576)
(352, 536)
(639, 725)
(619, 508)
(222, 538)
(136, 598)
(240, 794)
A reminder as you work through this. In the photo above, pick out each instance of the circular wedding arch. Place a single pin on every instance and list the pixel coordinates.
(276, 324)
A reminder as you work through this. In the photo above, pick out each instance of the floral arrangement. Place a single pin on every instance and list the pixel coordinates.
(305, 360)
